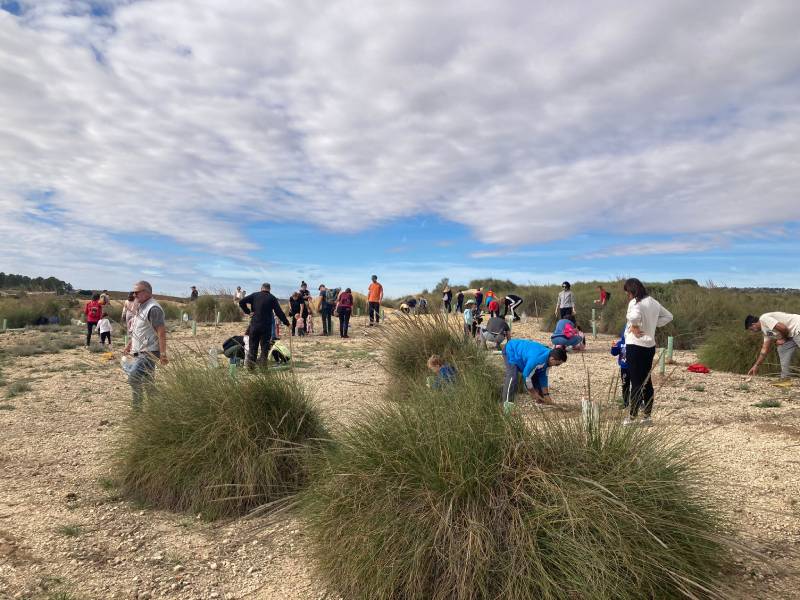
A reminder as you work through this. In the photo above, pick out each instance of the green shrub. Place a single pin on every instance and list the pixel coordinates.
(445, 499)
(208, 443)
(229, 312)
(27, 310)
(768, 403)
(735, 350)
(409, 340)
(18, 387)
(205, 308)
(173, 311)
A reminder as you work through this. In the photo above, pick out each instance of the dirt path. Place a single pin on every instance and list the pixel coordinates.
(63, 530)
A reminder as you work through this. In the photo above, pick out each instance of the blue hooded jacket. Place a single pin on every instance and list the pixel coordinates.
(619, 351)
(530, 357)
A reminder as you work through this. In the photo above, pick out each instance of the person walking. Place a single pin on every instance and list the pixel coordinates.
(193, 296)
(447, 299)
(479, 299)
(104, 329)
(643, 316)
(148, 342)
(295, 309)
(128, 310)
(263, 307)
(344, 308)
(533, 360)
(94, 312)
(305, 298)
(565, 304)
(781, 328)
(511, 303)
(375, 297)
(325, 310)
(239, 294)
(460, 301)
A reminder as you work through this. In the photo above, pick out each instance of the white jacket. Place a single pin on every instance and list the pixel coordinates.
(648, 314)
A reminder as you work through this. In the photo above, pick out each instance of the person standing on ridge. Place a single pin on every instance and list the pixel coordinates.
(239, 294)
(565, 303)
(193, 296)
(375, 297)
(148, 341)
(447, 299)
(261, 305)
(94, 312)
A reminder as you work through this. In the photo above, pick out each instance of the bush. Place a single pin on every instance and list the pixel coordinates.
(18, 387)
(208, 443)
(445, 499)
(409, 340)
(206, 307)
(29, 310)
(735, 350)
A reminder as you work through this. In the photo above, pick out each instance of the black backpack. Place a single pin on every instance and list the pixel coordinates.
(331, 295)
(608, 297)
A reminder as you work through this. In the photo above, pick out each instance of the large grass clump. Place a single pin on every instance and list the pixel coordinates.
(28, 310)
(735, 350)
(206, 307)
(208, 443)
(445, 498)
(409, 340)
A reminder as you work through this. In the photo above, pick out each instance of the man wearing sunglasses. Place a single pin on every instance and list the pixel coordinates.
(148, 342)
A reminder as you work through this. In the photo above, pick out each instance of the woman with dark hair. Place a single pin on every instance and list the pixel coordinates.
(94, 312)
(565, 304)
(344, 308)
(644, 315)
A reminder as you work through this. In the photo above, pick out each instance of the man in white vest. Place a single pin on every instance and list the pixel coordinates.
(148, 342)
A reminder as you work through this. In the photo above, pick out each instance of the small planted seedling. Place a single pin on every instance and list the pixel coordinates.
(71, 530)
(743, 387)
(684, 398)
(697, 388)
(768, 403)
(7, 407)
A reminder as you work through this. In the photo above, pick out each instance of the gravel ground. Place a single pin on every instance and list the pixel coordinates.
(64, 532)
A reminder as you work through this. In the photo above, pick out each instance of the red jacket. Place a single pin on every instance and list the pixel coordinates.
(93, 311)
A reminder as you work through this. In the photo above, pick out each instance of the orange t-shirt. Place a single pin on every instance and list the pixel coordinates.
(375, 292)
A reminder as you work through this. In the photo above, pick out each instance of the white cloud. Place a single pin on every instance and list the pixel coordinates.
(523, 122)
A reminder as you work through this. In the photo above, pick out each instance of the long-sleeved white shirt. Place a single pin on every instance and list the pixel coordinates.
(648, 314)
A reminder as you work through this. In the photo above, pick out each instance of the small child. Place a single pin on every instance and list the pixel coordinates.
(445, 373)
(468, 321)
(104, 329)
(300, 325)
(310, 324)
(618, 350)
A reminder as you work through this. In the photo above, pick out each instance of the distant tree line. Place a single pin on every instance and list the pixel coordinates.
(9, 281)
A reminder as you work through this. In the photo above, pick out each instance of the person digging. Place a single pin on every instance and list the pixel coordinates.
(784, 330)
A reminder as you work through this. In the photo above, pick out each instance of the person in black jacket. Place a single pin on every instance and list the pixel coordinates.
(512, 302)
(261, 305)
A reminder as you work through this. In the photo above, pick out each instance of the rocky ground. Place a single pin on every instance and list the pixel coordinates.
(66, 534)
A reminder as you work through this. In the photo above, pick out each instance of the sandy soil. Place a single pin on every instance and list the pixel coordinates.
(64, 532)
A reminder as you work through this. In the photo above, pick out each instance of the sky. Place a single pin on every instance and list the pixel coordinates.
(217, 144)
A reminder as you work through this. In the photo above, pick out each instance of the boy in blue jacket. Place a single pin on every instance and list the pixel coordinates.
(618, 350)
(532, 359)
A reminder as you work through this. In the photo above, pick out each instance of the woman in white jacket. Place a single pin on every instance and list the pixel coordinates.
(644, 315)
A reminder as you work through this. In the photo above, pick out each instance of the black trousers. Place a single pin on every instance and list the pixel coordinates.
(344, 321)
(447, 306)
(89, 329)
(566, 313)
(640, 363)
(626, 387)
(327, 321)
(375, 312)
(105, 337)
(259, 337)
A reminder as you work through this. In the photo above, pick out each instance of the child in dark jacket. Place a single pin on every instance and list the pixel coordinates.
(618, 350)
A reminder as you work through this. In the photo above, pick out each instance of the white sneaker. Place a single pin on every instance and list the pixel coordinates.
(628, 421)
(647, 422)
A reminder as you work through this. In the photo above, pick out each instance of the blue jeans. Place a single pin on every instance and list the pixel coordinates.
(140, 376)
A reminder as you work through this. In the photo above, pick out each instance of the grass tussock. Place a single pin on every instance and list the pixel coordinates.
(18, 388)
(211, 444)
(446, 499)
(29, 310)
(735, 351)
(768, 403)
(409, 340)
(206, 307)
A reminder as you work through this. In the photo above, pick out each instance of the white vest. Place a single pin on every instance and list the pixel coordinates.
(143, 337)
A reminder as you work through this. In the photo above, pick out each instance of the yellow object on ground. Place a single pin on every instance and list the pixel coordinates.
(784, 383)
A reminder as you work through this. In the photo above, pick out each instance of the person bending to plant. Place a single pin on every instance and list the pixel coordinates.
(532, 359)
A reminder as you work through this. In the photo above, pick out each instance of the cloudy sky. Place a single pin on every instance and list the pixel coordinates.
(222, 143)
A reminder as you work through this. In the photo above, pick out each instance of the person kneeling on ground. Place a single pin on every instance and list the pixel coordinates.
(445, 373)
(782, 328)
(237, 347)
(532, 359)
(496, 331)
(568, 335)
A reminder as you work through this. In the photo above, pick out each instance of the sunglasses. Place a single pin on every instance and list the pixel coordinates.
(134, 292)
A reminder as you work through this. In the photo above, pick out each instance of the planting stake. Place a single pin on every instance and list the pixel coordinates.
(590, 411)
(232, 369)
(670, 344)
(126, 340)
(194, 328)
(358, 311)
(217, 320)
(662, 362)
(5, 324)
(594, 323)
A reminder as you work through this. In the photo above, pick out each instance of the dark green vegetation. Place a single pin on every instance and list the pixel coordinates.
(768, 403)
(444, 498)
(9, 281)
(33, 309)
(206, 307)
(18, 387)
(215, 445)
